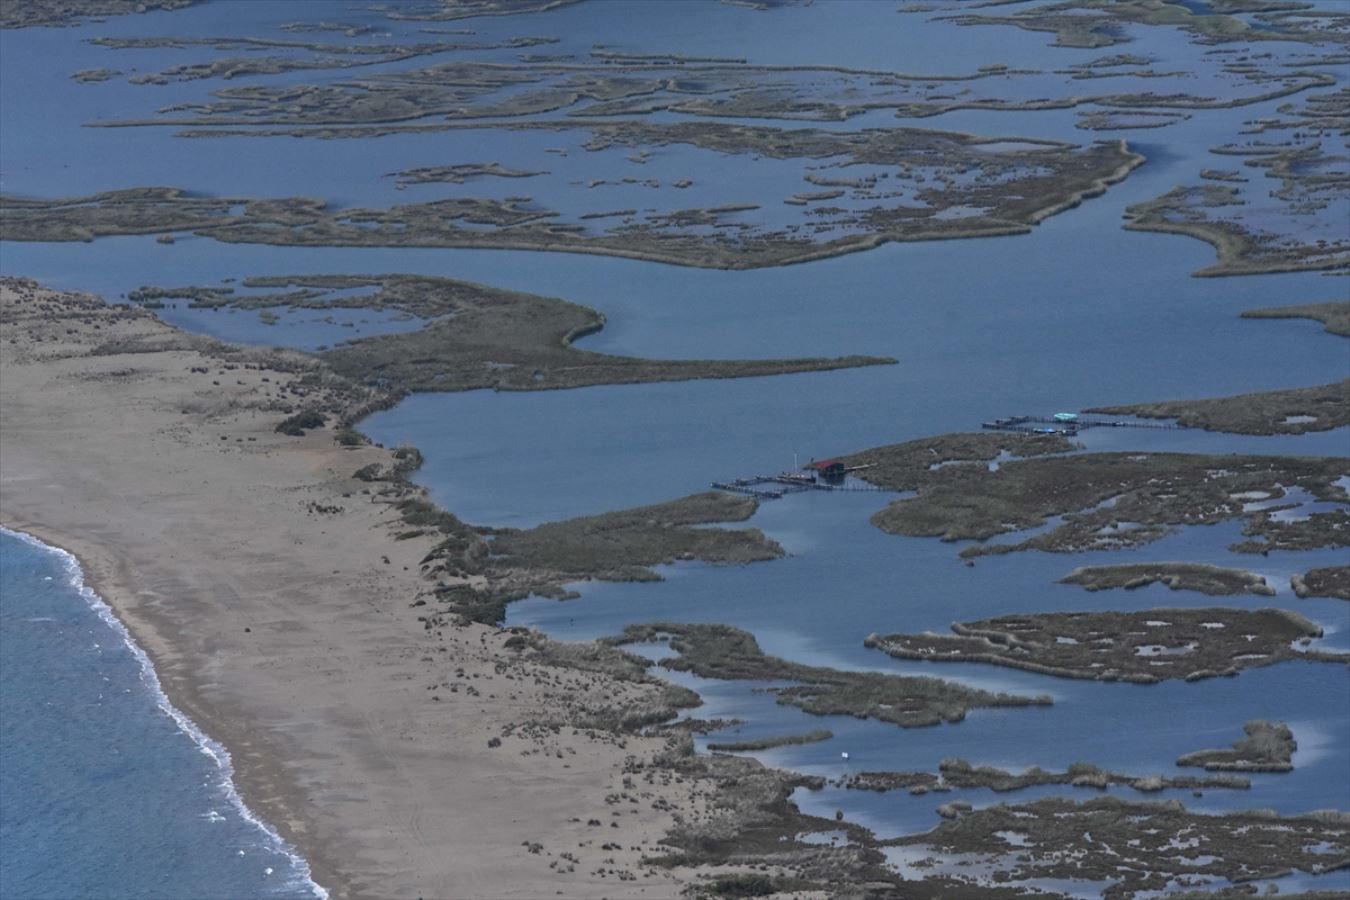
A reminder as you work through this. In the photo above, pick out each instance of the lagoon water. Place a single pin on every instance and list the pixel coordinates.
(105, 790)
(1077, 313)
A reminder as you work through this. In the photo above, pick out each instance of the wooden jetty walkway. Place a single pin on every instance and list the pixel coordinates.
(773, 487)
(1052, 425)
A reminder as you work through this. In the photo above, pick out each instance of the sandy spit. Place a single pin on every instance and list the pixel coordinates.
(276, 605)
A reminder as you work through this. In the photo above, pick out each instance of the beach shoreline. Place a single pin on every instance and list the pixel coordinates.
(261, 776)
(77, 574)
(283, 616)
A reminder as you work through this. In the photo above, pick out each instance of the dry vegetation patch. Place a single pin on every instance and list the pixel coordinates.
(481, 570)
(1131, 847)
(1292, 411)
(1143, 647)
(1335, 315)
(917, 464)
(954, 773)
(1330, 581)
(1178, 576)
(475, 336)
(1003, 192)
(31, 13)
(1268, 747)
(1116, 500)
(1104, 23)
(724, 652)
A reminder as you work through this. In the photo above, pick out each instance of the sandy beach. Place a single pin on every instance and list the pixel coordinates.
(277, 606)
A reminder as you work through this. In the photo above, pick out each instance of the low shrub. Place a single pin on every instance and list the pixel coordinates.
(295, 425)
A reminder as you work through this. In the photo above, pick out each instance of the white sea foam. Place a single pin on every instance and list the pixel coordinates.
(210, 748)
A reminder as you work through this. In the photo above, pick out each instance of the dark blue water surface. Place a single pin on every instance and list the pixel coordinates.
(107, 791)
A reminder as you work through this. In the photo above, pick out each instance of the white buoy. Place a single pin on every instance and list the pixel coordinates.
(844, 754)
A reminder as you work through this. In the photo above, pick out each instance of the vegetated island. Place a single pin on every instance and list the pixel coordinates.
(1102, 500)
(1314, 116)
(724, 652)
(1279, 238)
(606, 84)
(94, 76)
(1292, 411)
(1130, 847)
(1031, 185)
(460, 173)
(476, 336)
(912, 465)
(955, 773)
(321, 55)
(1335, 315)
(1096, 23)
(1143, 647)
(449, 10)
(1179, 576)
(788, 740)
(1268, 747)
(32, 13)
(1331, 581)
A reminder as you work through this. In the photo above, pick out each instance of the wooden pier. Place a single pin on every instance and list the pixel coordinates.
(773, 487)
(1051, 425)
(748, 486)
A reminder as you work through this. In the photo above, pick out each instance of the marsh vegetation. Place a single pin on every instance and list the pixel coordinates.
(1179, 576)
(1268, 747)
(1142, 647)
(1292, 411)
(724, 652)
(1003, 192)
(487, 568)
(1131, 847)
(954, 773)
(1335, 314)
(34, 13)
(1330, 581)
(1095, 494)
(1287, 230)
(475, 337)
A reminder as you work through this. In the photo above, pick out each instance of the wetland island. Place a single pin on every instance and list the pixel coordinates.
(593, 449)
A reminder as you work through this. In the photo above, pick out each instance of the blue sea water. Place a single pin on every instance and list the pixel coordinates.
(106, 790)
